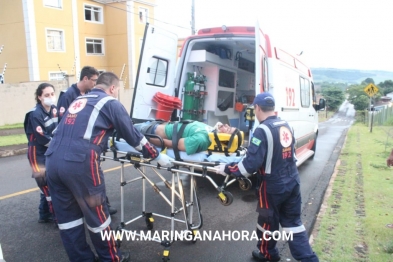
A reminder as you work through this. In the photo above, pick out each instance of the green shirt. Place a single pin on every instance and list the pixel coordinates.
(196, 136)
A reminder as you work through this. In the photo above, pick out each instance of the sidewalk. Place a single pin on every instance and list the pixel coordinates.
(13, 150)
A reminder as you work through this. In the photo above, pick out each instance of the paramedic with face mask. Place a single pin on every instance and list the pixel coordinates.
(75, 177)
(39, 124)
(271, 156)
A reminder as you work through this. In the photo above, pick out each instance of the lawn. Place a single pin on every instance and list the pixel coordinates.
(13, 140)
(352, 223)
(20, 125)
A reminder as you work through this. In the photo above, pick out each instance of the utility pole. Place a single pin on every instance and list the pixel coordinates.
(192, 17)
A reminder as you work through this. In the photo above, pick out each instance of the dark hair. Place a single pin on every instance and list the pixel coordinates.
(38, 92)
(107, 79)
(88, 71)
(266, 108)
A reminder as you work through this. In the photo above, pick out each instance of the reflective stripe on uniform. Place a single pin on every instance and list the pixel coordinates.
(94, 116)
(294, 230)
(242, 169)
(100, 228)
(51, 121)
(269, 155)
(71, 224)
(261, 229)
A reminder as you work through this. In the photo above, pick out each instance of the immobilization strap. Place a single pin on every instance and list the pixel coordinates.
(225, 149)
(176, 137)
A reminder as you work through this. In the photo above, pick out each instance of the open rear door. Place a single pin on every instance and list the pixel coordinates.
(156, 72)
(260, 61)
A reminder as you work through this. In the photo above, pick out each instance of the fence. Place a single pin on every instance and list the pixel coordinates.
(380, 116)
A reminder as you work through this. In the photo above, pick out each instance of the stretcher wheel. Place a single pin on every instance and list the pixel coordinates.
(149, 222)
(165, 257)
(193, 234)
(226, 198)
(245, 184)
(118, 241)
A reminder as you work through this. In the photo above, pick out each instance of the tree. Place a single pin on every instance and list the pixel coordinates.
(358, 97)
(386, 87)
(334, 97)
(368, 81)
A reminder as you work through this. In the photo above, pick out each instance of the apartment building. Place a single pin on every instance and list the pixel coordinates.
(45, 39)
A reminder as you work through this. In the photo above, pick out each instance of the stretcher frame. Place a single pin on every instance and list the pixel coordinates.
(187, 207)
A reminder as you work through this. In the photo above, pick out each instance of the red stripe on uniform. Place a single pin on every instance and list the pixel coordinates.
(92, 167)
(102, 222)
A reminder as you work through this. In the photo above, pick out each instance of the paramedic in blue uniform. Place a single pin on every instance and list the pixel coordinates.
(39, 124)
(271, 156)
(75, 178)
(87, 81)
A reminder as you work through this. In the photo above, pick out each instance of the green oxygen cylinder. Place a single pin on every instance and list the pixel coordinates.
(202, 94)
(188, 97)
(195, 108)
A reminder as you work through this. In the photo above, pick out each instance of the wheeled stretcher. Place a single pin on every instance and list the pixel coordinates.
(183, 210)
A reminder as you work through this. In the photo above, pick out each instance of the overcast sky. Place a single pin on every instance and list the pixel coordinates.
(348, 34)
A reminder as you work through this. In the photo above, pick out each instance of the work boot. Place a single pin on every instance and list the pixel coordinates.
(261, 257)
(112, 211)
(45, 220)
(125, 257)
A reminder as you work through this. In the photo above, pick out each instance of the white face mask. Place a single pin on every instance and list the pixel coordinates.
(48, 101)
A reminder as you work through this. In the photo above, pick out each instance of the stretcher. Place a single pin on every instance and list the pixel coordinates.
(184, 210)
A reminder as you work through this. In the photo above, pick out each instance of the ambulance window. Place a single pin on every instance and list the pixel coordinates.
(157, 72)
(305, 92)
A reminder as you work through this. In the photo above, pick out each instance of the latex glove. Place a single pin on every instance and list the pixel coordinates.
(164, 160)
(220, 169)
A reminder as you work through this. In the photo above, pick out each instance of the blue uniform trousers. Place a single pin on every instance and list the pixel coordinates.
(282, 209)
(78, 194)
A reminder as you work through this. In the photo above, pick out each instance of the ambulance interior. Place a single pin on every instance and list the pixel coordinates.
(229, 69)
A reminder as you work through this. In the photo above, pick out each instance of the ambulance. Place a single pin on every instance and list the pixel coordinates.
(216, 75)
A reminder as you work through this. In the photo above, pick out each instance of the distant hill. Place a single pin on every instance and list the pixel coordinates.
(349, 76)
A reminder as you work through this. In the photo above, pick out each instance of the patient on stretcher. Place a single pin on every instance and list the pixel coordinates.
(194, 137)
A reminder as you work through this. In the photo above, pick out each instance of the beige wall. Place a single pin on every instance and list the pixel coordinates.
(17, 99)
(61, 19)
(12, 36)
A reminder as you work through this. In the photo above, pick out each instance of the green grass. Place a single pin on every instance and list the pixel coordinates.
(353, 226)
(20, 125)
(13, 140)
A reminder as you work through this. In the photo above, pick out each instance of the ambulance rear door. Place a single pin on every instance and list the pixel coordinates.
(260, 61)
(156, 72)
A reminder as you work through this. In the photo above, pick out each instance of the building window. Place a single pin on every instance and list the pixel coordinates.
(53, 3)
(95, 46)
(57, 76)
(55, 40)
(143, 15)
(157, 72)
(93, 13)
(305, 92)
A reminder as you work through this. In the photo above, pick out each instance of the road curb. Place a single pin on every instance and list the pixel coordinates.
(15, 152)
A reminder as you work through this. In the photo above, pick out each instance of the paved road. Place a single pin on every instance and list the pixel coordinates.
(23, 239)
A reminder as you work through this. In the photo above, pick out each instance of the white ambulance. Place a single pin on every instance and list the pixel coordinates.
(217, 75)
